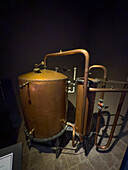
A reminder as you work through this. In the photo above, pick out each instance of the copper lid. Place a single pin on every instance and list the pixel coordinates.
(44, 75)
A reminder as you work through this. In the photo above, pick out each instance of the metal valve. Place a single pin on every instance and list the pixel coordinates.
(37, 67)
(37, 70)
(101, 105)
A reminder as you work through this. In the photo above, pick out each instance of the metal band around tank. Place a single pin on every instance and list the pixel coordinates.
(41, 140)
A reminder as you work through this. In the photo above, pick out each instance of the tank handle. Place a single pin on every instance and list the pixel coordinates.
(21, 86)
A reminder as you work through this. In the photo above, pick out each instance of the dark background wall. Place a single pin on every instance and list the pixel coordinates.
(31, 29)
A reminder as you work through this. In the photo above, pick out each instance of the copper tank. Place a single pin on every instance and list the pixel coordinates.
(43, 100)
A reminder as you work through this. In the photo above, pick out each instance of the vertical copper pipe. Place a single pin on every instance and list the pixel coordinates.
(101, 97)
(114, 122)
(86, 54)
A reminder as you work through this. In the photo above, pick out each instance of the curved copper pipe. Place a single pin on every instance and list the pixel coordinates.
(114, 122)
(105, 73)
(73, 132)
(102, 67)
(86, 54)
(99, 112)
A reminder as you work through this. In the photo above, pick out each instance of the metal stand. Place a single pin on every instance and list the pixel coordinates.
(54, 145)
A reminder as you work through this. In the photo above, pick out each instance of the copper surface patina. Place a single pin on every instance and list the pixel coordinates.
(44, 96)
(43, 102)
(89, 106)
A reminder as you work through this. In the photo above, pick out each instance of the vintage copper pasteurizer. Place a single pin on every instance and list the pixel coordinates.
(43, 98)
(44, 101)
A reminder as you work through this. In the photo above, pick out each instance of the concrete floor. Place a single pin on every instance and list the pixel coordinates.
(32, 159)
(70, 159)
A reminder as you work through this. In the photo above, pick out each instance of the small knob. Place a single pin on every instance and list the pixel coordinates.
(56, 69)
(36, 70)
(42, 63)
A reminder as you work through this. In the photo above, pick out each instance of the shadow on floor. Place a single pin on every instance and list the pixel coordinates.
(118, 136)
(57, 145)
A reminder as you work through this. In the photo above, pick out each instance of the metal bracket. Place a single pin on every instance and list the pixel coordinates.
(23, 85)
